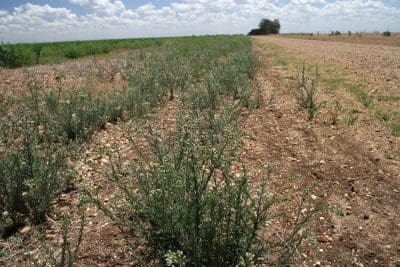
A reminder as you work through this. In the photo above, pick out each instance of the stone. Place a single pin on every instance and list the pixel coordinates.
(25, 230)
(104, 161)
(322, 239)
(49, 237)
(348, 210)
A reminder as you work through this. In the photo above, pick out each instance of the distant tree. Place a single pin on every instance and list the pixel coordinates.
(267, 26)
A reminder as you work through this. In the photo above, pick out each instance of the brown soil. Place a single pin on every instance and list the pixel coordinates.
(380, 64)
(346, 163)
(360, 38)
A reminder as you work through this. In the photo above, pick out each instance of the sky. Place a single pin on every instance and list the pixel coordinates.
(58, 20)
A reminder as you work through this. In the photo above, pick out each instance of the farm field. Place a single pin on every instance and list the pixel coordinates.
(355, 38)
(119, 142)
(18, 55)
(349, 160)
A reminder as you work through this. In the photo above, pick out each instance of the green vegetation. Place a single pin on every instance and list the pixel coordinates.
(395, 128)
(351, 118)
(306, 91)
(188, 206)
(334, 83)
(391, 118)
(18, 55)
(188, 199)
(390, 98)
(359, 92)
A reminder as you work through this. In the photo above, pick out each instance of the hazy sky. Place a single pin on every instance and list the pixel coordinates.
(39, 20)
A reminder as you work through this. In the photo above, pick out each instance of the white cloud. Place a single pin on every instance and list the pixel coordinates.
(112, 19)
(103, 6)
(34, 18)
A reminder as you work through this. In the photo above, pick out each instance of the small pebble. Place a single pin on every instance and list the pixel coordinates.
(322, 239)
(49, 237)
(104, 161)
(25, 230)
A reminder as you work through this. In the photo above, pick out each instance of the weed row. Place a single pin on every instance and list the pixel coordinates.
(188, 206)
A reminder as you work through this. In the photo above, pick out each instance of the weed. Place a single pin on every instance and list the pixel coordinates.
(365, 98)
(306, 90)
(175, 258)
(189, 200)
(351, 118)
(383, 116)
(188, 206)
(333, 112)
(395, 129)
(390, 98)
(334, 83)
(392, 154)
(32, 173)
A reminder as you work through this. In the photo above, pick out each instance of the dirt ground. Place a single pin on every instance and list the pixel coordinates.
(348, 164)
(355, 38)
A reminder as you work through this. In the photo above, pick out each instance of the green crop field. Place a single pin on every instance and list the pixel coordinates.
(18, 55)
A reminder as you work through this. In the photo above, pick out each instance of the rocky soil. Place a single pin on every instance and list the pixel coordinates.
(347, 164)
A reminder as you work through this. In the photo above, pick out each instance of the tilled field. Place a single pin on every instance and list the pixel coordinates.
(380, 64)
(349, 164)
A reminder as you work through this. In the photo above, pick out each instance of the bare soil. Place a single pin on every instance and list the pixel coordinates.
(346, 163)
(355, 38)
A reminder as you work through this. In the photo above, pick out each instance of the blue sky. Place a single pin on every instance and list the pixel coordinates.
(55, 20)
